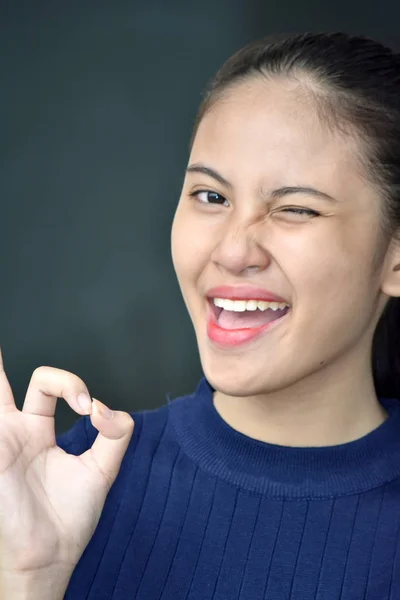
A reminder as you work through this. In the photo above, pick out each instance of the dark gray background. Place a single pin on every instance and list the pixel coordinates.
(97, 101)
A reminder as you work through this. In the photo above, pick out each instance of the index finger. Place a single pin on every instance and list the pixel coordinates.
(47, 384)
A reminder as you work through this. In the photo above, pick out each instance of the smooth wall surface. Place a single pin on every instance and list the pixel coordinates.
(96, 107)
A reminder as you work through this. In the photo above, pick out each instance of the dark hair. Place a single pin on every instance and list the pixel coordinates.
(354, 83)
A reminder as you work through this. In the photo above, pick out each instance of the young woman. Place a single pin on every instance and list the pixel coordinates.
(279, 477)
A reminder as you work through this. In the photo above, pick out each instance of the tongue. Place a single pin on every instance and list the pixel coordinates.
(229, 319)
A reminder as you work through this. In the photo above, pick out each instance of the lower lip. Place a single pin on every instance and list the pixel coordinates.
(229, 338)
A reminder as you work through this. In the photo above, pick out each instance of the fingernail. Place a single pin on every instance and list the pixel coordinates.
(104, 410)
(85, 402)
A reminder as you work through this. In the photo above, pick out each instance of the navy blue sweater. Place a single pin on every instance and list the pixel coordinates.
(201, 511)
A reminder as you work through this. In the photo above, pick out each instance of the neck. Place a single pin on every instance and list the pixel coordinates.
(336, 405)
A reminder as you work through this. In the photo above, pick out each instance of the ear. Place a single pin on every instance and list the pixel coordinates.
(391, 271)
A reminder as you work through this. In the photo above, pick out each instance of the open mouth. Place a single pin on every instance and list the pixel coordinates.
(255, 318)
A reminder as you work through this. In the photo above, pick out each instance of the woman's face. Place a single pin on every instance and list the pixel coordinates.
(232, 228)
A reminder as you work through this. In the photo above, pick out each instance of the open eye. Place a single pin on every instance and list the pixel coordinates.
(209, 197)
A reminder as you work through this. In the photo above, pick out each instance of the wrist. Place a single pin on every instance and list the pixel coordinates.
(33, 586)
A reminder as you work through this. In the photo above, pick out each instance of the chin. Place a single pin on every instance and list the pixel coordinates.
(243, 376)
(234, 381)
(239, 373)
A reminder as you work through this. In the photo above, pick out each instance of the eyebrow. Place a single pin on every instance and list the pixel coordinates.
(275, 194)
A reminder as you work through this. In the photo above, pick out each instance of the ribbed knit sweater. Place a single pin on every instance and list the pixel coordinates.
(201, 511)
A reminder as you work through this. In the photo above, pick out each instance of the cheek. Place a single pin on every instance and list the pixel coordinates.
(188, 245)
(320, 265)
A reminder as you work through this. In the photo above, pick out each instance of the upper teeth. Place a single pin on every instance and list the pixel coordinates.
(242, 305)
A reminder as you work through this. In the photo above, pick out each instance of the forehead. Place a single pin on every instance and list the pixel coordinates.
(270, 130)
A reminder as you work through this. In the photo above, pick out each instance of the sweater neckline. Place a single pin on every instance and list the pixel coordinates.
(285, 471)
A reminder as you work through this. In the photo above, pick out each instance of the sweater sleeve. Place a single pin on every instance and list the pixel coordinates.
(78, 438)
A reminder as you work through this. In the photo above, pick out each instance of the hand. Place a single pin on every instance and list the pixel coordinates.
(50, 501)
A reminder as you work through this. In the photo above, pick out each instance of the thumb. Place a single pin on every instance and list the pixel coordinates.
(112, 441)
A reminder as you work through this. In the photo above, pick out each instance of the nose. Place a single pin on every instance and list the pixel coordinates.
(238, 250)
